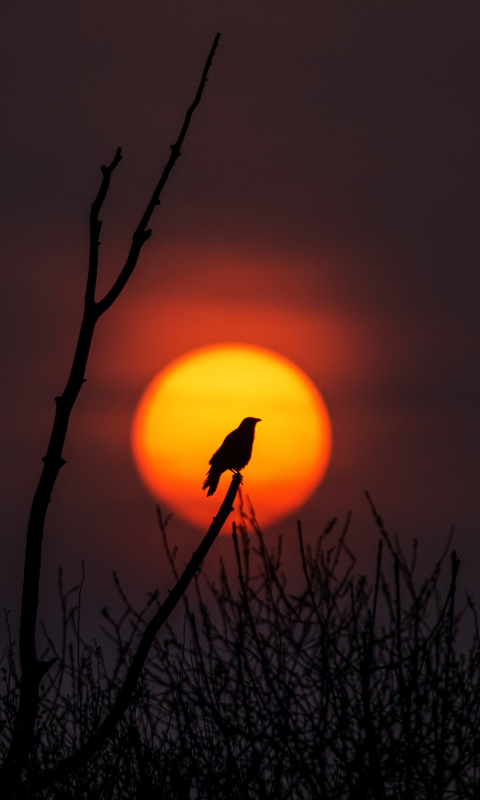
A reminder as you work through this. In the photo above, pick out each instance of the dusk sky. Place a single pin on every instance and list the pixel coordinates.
(326, 206)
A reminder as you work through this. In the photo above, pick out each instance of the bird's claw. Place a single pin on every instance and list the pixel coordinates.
(237, 472)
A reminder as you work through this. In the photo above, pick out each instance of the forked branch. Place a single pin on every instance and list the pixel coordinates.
(142, 233)
(32, 668)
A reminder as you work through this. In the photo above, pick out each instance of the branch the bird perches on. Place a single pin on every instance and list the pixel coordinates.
(125, 694)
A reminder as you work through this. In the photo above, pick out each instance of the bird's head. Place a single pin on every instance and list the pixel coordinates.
(249, 422)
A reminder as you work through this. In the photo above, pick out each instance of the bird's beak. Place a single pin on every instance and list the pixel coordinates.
(257, 419)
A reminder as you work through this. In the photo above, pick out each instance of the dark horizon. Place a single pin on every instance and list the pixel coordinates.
(325, 206)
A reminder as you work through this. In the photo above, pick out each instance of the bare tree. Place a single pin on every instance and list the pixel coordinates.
(33, 669)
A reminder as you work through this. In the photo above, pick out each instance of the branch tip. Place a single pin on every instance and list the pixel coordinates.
(115, 162)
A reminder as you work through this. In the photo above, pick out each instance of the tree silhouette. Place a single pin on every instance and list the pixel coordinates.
(33, 669)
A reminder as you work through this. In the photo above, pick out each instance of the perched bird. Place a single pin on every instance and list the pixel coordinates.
(233, 454)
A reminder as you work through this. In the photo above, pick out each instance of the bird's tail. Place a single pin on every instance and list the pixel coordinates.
(211, 481)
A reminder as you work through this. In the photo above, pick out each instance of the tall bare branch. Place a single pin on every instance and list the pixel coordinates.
(33, 669)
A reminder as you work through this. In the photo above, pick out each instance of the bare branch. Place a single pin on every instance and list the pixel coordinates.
(142, 234)
(125, 694)
(34, 669)
(95, 227)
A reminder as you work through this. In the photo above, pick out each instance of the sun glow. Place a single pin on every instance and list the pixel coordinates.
(191, 405)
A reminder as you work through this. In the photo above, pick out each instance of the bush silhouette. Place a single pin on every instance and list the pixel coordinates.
(341, 690)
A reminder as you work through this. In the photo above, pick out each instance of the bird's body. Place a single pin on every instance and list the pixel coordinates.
(233, 454)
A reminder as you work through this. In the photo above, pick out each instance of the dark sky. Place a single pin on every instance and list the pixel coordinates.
(326, 206)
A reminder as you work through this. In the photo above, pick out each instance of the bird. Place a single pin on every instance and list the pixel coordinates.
(234, 453)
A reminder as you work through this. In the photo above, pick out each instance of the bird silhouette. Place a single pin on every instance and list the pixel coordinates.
(234, 453)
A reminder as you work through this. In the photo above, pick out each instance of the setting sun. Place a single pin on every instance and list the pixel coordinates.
(191, 405)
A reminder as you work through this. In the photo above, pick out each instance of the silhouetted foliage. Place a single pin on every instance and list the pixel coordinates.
(340, 690)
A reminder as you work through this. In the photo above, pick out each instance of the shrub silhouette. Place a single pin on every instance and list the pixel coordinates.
(340, 690)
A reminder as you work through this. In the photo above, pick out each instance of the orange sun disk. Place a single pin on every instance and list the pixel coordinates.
(191, 405)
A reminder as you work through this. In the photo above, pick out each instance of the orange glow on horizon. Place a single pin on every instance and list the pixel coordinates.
(191, 405)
